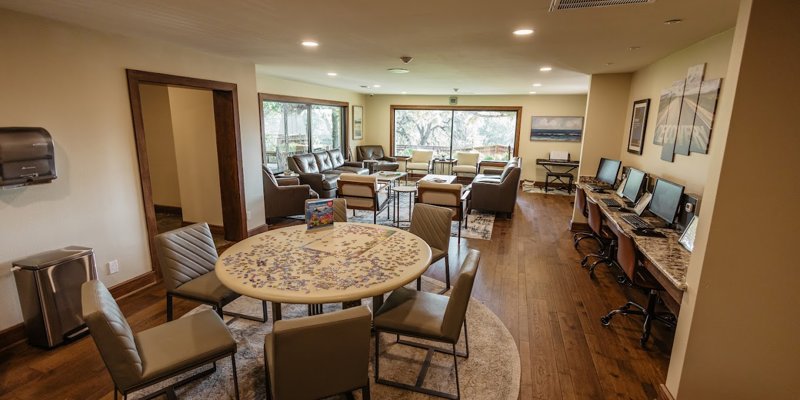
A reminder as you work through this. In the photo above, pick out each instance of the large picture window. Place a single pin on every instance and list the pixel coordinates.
(291, 125)
(491, 131)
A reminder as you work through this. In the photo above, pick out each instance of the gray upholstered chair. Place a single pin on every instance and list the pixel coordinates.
(432, 224)
(284, 196)
(428, 316)
(187, 256)
(449, 195)
(364, 192)
(136, 361)
(319, 356)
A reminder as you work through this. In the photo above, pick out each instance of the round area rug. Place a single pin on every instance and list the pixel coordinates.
(492, 370)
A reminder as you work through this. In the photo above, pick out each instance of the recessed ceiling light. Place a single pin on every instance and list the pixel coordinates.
(523, 32)
(609, 64)
(398, 70)
(537, 84)
(673, 21)
(310, 43)
(633, 48)
(376, 86)
(403, 92)
(532, 92)
(332, 74)
(546, 69)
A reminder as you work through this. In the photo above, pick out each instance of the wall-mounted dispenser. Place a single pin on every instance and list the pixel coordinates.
(26, 157)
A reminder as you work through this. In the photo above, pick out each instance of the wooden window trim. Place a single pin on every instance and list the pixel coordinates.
(516, 109)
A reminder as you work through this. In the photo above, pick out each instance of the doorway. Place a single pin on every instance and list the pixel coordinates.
(224, 106)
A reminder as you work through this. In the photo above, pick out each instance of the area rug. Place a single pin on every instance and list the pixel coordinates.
(530, 187)
(492, 370)
(479, 224)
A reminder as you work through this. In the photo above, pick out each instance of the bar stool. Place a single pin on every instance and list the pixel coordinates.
(635, 276)
(603, 236)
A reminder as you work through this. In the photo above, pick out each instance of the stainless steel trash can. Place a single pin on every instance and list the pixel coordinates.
(49, 287)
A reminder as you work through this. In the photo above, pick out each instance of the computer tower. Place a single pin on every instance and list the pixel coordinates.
(690, 204)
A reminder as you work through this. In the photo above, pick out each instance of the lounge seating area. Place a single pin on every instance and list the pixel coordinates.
(381, 200)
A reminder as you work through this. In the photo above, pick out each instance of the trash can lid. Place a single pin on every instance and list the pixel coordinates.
(53, 257)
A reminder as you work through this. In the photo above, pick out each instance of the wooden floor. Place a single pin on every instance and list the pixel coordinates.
(529, 276)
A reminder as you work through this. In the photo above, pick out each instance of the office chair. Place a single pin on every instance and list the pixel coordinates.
(635, 276)
(603, 236)
(580, 202)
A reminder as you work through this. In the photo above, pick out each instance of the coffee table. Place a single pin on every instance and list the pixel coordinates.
(438, 178)
(344, 263)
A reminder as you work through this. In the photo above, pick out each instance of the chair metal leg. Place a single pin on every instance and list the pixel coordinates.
(446, 274)
(419, 284)
(169, 307)
(466, 340)
(267, 383)
(235, 378)
(377, 354)
(455, 366)
(459, 231)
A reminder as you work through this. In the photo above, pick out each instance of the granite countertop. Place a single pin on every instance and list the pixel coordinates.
(666, 254)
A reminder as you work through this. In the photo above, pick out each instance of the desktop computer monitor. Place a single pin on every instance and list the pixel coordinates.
(634, 184)
(608, 170)
(665, 201)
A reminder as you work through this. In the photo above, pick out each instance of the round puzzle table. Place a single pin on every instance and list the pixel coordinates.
(345, 263)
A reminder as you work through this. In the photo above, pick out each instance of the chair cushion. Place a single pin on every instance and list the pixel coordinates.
(336, 157)
(386, 166)
(412, 312)
(487, 178)
(417, 166)
(469, 169)
(183, 343)
(306, 163)
(329, 182)
(344, 169)
(323, 161)
(370, 152)
(207, 288)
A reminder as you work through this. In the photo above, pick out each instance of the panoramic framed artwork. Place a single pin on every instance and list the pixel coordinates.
(661, 118)
(557, 129)
(689, 109)
(358, 122)
(638, 125)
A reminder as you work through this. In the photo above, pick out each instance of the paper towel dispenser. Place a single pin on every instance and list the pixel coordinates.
(26, 156)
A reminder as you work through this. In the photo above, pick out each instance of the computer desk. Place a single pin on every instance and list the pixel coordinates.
(665, 258)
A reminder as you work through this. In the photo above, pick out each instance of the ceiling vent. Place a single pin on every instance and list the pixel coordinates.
(576, 4)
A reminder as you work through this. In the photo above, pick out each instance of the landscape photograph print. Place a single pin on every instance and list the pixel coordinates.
(558, 129)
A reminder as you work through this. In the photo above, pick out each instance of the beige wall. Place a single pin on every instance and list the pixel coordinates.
(690, 171)
(377, 121)
(160, 145)
(72, 82)
(737, 337)
(192, 112)
(274, 85)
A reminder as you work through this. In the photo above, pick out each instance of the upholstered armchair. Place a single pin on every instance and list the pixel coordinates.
(284, 196)
(375, 159)
(466, 163)
(363, 192)
(420, 161)
(496, 193)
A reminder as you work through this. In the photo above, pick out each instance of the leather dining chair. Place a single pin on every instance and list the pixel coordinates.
(432, 224)
(186, 257)
(637, 276)
(320, 356)
(428, 316)
(604, 238)
(138, 360)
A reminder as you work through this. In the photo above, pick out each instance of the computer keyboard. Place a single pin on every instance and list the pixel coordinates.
(636, 221)
(611, 203)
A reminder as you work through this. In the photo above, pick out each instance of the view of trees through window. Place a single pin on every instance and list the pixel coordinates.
(489, 132)
(295, 128)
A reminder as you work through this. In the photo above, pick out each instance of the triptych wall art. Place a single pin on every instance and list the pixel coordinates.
(686, 115)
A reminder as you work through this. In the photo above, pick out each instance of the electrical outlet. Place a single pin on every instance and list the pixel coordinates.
(113, 267)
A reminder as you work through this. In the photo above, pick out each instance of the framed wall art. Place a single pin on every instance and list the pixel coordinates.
(358, 122)
(557, 129)
(638, 126)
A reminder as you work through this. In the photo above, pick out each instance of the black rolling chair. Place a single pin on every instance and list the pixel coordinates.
(603, 236)
(628, 260)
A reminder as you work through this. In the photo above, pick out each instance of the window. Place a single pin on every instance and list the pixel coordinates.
(295, 126)
(491, 131)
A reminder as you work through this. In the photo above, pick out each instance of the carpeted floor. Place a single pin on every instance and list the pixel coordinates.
(479, 225)
(492, 370)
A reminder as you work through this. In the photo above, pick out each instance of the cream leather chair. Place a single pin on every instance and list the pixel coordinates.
(420, 161)
(363, 192)
(466, 163)
(432, 224)
(443, 195)
(186, 257)
(136, 361)
(319, 356)
(339, 209)
(428, 316)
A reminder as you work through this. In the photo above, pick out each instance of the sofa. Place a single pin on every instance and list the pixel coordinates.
(496, 192)
(375, 159)
(321, 170)
(284, 196)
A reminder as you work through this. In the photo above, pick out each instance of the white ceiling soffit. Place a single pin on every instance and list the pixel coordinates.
(465, 44)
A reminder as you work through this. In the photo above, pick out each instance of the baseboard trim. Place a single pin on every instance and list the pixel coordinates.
(664, 393)
(15, 335)
(257, 230)
(172, 210)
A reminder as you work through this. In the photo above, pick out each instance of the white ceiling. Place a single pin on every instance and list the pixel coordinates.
(465, 44)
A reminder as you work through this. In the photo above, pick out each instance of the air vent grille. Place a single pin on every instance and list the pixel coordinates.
(576, 4)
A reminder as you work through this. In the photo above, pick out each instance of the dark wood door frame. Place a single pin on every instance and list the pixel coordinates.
(229, 150)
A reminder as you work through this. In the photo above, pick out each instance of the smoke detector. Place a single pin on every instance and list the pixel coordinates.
(406, 59)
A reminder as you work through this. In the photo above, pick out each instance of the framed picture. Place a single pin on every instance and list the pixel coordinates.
(557, 129)
(638, 125)
(358, 122)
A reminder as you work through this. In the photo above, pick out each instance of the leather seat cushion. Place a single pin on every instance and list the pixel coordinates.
(487, 178)
(336, 157)
(437, 254)
(343, 169)
(306, 163)
(412, 312)
(183, 343)
(371, 152)
(207, 287)
(329, 182)
(386, 166)
(324, 161)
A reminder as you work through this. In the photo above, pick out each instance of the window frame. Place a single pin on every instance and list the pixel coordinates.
(262, 97)
(516, 109)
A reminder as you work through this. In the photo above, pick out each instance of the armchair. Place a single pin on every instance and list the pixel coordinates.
(364, 193)
(420, 161)
(466, 163)
(375, 159)
(497, 193)
(284, 196)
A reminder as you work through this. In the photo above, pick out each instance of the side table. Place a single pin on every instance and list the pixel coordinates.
(411, 190)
